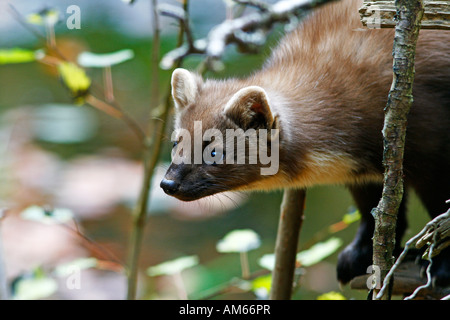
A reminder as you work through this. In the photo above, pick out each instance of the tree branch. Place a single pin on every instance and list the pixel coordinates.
(291, 218)
(152, 147)
(248, 32)
(409, 13)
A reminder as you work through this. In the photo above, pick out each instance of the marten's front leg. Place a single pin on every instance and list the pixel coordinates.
(357, 256)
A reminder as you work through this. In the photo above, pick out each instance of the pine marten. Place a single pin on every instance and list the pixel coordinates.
(321, 96)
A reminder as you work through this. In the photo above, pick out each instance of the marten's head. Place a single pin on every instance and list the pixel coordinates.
(225, 136)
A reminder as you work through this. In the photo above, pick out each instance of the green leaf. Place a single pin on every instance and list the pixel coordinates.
(66, 269)
(261, 286)
(46, 16)
(18, 55)
(74, 78)
(318, 252)
(35, 18)
(95, 60)
(239, 241)
(173, 266)
(34, 286)
(331, 296)
(53, 216)
(351, 217)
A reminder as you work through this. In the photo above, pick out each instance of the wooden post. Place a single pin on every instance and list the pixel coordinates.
(291, 217)
(381, 13)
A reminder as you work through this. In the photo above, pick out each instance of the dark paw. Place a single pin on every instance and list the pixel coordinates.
(440, 269)
(353, 261)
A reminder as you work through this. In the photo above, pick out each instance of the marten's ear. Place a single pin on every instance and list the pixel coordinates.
(184, 88)
(249, 108)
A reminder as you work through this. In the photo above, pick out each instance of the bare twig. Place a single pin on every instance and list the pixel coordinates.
(49, 41)
(50, 30)
(182, 16)
(439, 235)
(99, 251)
(410, 13)
(108, 83)
(114, 110)
(183, 50)
(19, 18)
(262, 6)
(429, 227)
(282, 11)
(151, 155)
(152, 149)
(245, 268)
(428, 272)
(248, 31)
(291, 218)
(103, 106)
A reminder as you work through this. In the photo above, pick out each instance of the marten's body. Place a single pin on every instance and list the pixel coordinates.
(325, 87)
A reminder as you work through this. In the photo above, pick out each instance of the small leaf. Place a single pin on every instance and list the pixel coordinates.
(318, 252)
(95, 60)
(46, 16)
(66, 269)
(33, 289)
(17, 55)
(47, 216)
(35, 18)
(331, 296)
(267, 261)
(172, 11)
(74, 78)
(34, 286)
(351, 217)
(261, 286)
(239, 241)
(173, 266)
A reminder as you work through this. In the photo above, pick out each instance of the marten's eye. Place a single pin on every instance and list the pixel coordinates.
(214, 157)
(175, 144)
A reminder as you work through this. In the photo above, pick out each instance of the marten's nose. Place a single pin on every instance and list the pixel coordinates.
(169, 186)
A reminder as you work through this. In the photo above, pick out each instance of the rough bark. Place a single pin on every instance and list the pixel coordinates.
(409, 15)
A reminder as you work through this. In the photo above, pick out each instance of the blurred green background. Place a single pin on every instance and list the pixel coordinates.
(75, 157)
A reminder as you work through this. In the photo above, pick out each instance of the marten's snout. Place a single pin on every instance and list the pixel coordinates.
(169, 186)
